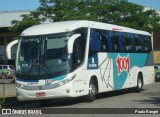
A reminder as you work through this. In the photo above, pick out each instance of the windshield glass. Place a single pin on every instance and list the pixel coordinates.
(42, 57)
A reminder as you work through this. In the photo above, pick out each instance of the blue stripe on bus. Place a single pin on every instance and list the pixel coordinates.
(20, 79)
(136, 59)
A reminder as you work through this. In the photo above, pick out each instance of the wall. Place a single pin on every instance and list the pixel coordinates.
(5, 38)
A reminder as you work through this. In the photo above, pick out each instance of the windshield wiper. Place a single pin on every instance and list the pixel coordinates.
(40, 67)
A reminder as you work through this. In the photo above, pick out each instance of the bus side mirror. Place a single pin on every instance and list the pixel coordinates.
(8, 48)
(71, 42)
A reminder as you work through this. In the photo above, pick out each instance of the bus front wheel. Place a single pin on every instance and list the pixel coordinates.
(92, 91)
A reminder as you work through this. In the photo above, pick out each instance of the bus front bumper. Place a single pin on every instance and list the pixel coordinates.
(61, 92)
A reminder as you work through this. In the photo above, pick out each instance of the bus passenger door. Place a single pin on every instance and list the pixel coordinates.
(77, 66)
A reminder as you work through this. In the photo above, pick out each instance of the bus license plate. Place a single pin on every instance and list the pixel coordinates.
(41, 94)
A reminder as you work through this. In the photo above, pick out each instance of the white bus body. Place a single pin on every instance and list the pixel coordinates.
(81, 58)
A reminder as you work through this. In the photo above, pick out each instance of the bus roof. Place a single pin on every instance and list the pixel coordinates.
(65, 26)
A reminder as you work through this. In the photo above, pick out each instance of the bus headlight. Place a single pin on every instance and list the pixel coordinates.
(19, 85)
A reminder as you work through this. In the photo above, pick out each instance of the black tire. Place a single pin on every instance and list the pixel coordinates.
(92, 91)
(139, 86)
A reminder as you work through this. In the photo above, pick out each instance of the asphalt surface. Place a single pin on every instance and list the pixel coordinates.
(149, 98)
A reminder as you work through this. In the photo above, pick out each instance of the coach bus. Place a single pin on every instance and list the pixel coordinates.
(81, 58)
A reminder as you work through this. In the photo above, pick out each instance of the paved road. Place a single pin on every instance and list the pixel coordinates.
(148, 98)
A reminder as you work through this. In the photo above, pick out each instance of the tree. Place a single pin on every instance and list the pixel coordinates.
(136, 16)
(119, 12)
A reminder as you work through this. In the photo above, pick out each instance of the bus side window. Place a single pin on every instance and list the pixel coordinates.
(127, 43)
(147, 44)
(103, 40)
(108, 41)
(95, 42)
(77, 53)
(138, 44)
(115, 43)
(82, 39)
(120, 41)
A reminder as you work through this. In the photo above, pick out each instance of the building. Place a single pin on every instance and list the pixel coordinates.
(6, 36)
(156, 42)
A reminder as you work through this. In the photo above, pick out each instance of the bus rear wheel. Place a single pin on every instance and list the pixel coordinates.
(92, 91)
(139, 86)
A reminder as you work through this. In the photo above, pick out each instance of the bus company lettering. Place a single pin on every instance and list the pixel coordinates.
(123, 64)
(48, 81)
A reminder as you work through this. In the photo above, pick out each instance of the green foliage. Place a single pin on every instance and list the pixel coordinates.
(119, 12)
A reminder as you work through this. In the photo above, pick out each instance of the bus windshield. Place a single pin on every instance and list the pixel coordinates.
(42, 57)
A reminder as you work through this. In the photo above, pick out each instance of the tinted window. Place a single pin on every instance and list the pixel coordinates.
(0, 67)
(109, 44)
(79, 48)
(127, 43)
(103, 39)
(137, 44)
(147, 44)
(114, 41)
(82, 39)
(98, 41)
(5, 67)
(77, 53)
(95, 42)
(11, 67)
(155, 67)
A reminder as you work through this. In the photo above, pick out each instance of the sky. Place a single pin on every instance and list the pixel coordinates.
(155, 4)
(10, 5)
